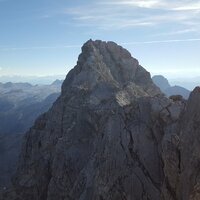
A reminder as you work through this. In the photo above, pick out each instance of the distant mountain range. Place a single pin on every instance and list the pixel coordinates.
(188, 83)
(20, 105)
(169, 90)
(31, 79)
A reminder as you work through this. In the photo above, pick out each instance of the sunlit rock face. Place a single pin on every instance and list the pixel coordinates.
(111, 135)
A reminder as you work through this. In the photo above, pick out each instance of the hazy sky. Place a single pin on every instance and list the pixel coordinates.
(43, 37)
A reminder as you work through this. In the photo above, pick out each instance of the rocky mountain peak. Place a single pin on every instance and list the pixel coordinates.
(111, 135)
(109, 67)
(161, 81)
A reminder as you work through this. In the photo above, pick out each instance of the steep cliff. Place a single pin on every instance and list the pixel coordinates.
(111, 135)
(190, 149)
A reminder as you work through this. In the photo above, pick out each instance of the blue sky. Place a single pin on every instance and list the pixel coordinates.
(43, 37)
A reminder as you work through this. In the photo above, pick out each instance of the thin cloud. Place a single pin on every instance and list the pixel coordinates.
(163, 41)
(123, 14)
(177, 32)
(189, 6)
(137, 3)
(158, 4)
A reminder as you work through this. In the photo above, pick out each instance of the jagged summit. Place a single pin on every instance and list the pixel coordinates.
(109, 67)
(111, 135)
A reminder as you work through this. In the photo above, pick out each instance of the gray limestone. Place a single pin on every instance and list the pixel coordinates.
(111, 135)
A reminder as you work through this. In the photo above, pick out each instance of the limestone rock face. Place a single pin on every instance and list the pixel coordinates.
(105, 68)
(111, 135)
(190, 149)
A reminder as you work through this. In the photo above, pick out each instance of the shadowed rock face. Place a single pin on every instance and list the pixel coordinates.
(190, 149)
(9, 152)
(111, 135)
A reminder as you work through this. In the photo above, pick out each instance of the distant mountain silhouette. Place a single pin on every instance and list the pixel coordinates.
(169, 90)
(31, 79)
(20, 105)
(57, 82)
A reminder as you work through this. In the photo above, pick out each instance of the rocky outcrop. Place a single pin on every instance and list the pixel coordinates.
(111, 135)
(190, 149)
